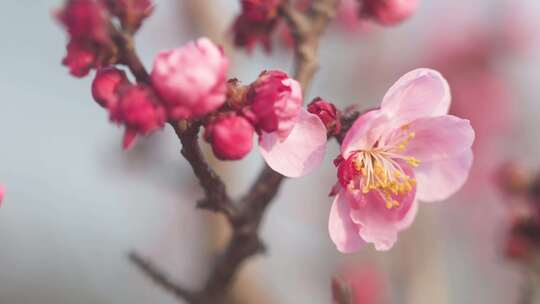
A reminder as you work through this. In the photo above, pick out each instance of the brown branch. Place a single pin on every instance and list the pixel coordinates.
(160, 277)
(216, 197)
(245, 220)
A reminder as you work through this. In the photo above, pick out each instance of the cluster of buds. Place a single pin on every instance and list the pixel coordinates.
(190, 84)
(89, 22)
(135, 106)
(523, 191)
(271, 108)
(256, 23)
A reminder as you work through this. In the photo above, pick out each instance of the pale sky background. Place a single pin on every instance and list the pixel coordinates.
(76, 204)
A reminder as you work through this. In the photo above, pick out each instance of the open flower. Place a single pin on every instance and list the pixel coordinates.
(407, 150)
(292, 141)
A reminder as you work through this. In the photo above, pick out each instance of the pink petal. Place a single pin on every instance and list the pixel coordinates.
(438, 138)
(364, 132)
(301, 152)
(343, 232)
(419, 93)
(380, 225)
(440, 179)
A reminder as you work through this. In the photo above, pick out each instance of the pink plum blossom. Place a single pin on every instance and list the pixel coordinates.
(409, 149)
(192, 79)
(275, 102)
(292, 141)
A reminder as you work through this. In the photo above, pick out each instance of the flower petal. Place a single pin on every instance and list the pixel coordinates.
(438, 180)
(438, 138)
(343, 232)
(380, 224)
(419, 93)
(364, 132)
(301, 152)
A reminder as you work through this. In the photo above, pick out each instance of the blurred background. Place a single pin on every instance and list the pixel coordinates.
(76, 204)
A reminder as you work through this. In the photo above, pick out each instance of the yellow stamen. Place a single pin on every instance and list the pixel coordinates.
(379, 171)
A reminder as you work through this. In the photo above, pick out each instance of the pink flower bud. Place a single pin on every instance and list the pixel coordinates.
(80, 58)
(138, 111)
(256, 23)
(105, 85)
(327, 113)
(231, 137)
(85, 19)
(388, 12)
(191, 80)
(276, 101)
(130, 12)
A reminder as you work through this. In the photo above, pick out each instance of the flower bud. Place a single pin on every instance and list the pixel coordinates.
(275, 101)
(191, 80)
(105, 86)
(86, 20)
(138, 111)
(256, 23)
(80, 58)
(90, 45)
(388, 12)
(231, 137)
(328, 114)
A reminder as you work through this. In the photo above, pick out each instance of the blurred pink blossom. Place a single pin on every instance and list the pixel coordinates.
(364, 284)
(80, 58)
(256, 23)
(469, 62)
(387, 12)
(408, 150)
(105, 86)
(191, 80)
(139, 111)
(86, 22)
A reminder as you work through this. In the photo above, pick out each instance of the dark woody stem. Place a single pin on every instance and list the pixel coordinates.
(246, 214)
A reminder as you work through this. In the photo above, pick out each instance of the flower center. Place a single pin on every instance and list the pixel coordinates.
(380, 170)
